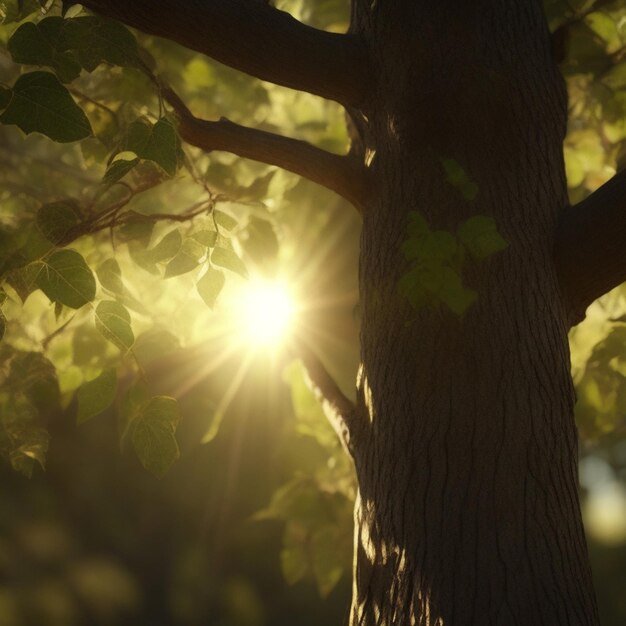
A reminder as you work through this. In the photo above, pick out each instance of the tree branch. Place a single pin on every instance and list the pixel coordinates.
(255, 38)
(340, 410)
(342, 174)
(591, 246)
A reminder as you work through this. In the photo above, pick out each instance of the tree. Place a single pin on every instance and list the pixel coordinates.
(473, 269)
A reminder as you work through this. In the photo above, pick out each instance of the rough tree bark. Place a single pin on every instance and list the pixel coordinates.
(469, 509)
(463, 434)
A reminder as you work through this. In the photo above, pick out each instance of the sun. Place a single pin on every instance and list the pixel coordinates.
(267, 312)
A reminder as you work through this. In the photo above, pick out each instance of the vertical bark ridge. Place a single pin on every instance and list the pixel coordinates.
(468, 510)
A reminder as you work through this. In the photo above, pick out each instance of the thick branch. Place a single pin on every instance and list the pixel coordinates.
(342, 174)
(591, 246)
(340, 410)
(255, 38)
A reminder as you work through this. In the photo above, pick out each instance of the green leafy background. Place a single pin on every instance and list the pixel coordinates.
(120, 249)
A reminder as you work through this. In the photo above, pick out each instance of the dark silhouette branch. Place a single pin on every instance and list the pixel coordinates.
(591, 246)
(255, 38)
(342, 174)
(340, 411)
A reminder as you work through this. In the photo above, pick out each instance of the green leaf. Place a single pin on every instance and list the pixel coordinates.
(452, 292)
(36, 244)
(436, 284)
(118, 169)
(58, 221)
(208, 238)
(135, 398)
(225, 220)
(113, 321)
(40, 103)
(158, 143)
(439, 245)
(65, 277)
(228, 259)
(24, 280)
(210, 286)
(479, 234)
(110, 276)
(153, 434)
(137, 136)
(328, 561)
(167, 248)
(42, 44)
(99, 40)
(66, 45)
(606, 27)
(96, 395)
(163, 146)
(187, 259)
(458, 178)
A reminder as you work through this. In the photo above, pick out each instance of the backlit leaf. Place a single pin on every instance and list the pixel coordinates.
(110, 276)
(113, 321)
(207, 238)
(438, 245)
(65, 277)
(163, 146)
(228, 259)
(159, 143)
(118, 169)
(58, 221)
(99, 40)
(40, 103)
(187, 259)
(24, 280)
(43, 44)
(167, 248)
(153, 434)
(293, 558)
(479, 234)
(210, 286)
(225, 220)
(459, 178)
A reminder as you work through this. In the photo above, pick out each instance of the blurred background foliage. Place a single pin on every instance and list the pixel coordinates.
(252, 524)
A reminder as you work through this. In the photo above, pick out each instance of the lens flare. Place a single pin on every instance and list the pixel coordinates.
(267, 313)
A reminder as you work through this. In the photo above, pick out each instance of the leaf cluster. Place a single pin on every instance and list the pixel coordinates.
(437, 258)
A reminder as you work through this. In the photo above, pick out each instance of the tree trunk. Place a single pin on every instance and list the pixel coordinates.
(468, 510)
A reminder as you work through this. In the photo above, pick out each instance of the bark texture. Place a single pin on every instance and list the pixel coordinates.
(468, 510)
